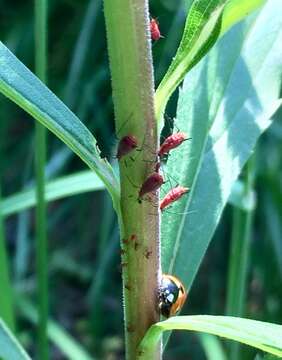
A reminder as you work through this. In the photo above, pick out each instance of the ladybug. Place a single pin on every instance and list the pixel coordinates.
(172, 295)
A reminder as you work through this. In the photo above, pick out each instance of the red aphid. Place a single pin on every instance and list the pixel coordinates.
(151, 184)
(126, 145)
(172, 196)
(155, 31)
(171, 142)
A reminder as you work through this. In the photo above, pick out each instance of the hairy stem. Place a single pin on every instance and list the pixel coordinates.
(127, 23)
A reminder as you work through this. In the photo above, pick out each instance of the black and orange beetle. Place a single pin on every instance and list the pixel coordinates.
(172, 295)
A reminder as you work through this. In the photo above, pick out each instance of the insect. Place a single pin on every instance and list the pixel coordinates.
(155, 31)
(151, 184)
(172, 196)
(126, 144)
(171, 142)
(172, 295)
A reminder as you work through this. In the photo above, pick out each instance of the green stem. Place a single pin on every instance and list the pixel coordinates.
(40, 160)
(127, 23)
(6, 303)
(239, 258)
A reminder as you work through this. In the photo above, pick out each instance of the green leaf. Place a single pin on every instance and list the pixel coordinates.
(240, 199)
(212, 346)
(10, 349)
(202, 28)
(65, 186)
(224, 107)
(261, 335)
(26, 90)
(206, 21)
(236, 10)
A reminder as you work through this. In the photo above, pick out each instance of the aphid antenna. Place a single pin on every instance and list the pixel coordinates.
(131, 182)
(122, 126)
(178, 213)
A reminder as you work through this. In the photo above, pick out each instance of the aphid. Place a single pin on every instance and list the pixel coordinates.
(172, 196)
(127, 287)
(133, 237)
(148, 253)
(126, 144)
(125, 241)
(171, 142)
(155, 31)
(136, 246)
(172, 295)
(130, 328)
(151, 184)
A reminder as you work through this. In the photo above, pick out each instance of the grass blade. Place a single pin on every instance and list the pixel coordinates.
(10, 349)
(41, 211)
(77, 183)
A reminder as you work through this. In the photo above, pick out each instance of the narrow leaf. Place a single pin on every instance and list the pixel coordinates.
(224, 107)
(202, 28)
(261, 335)
(9, 346)
(26, 90)
(206, 21)
(65, 186)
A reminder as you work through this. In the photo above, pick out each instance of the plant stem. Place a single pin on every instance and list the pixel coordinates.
(127, 23)
(239, 258)
(40, 160)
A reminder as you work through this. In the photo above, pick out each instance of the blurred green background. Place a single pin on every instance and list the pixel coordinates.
(84, 259)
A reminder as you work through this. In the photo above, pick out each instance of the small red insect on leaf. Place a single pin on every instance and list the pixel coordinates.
(171, 142)
(172, 196)
(126, 144)
(151, 184)
(155, 31)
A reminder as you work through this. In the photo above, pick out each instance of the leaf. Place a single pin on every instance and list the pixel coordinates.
(27, 91)
(261, 335)
(206, 21)
(212, 346)
(236, 10)
(242, 199)
(10, 349)
(202, 28)
(65, 186)
(224, 107)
